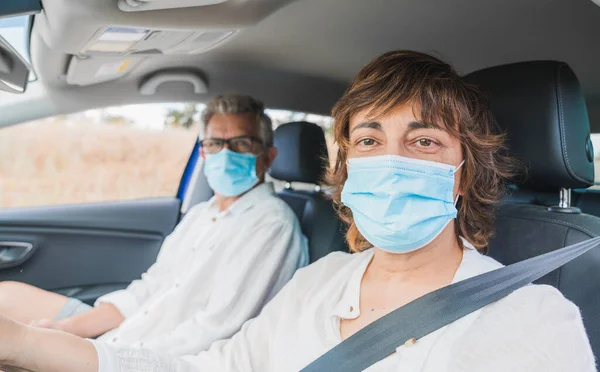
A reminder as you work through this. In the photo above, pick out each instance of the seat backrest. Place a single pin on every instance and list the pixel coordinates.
(302, 157)
(541, 108)
(588, 201)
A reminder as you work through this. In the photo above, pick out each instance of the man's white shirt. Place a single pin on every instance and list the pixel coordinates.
(214, 272)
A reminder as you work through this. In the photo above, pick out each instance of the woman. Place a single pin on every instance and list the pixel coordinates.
(418, 172)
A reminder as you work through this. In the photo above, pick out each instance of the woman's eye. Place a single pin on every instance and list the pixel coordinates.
(367, 142)
(425, 142)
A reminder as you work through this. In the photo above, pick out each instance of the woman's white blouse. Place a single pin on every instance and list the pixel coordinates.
(534, 329)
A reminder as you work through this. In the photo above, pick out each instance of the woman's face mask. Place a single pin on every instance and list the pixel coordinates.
(402, 180)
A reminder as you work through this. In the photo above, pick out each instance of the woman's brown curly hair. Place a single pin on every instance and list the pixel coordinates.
(440, 96)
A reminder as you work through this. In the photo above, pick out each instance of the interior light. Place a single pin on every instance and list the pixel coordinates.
(117, 40)
(104, 47)
(123, 34)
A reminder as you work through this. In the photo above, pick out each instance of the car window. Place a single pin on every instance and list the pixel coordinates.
(112, 154)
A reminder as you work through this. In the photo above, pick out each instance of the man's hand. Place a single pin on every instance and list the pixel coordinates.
(58, 325)
(91, 324)
(13, 369)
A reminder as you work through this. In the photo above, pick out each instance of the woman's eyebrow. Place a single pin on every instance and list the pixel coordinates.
(413, 125)
(372, 125)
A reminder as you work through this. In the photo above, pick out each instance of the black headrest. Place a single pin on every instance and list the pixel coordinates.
(542, 109)
(301, 153)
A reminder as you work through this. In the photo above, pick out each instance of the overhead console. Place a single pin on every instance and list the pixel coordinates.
(132, 40)
(145, 5)
(115, 51)
(108, 39)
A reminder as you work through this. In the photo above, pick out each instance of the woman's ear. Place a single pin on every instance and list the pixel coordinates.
(458, 191)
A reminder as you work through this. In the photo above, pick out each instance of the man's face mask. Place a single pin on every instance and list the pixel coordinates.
(400, 204)
(230, 173)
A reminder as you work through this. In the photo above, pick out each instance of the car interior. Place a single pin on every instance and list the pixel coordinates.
(536, 61)
(303, 158)
(547, 106)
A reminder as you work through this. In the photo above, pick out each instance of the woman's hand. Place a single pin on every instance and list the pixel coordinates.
(12, 340)
(24, 348)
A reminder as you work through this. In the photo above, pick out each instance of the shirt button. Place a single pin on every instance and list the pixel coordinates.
(114, 339)
(214, 219)
(410, 342)
(177, 285)
(146, 312)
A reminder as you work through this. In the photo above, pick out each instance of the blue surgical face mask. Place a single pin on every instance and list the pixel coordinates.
(400, 204)
(230, 173)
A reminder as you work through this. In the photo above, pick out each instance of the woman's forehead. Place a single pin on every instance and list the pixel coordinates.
(404, 116)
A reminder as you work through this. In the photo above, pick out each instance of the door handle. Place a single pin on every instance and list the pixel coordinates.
(14, 253)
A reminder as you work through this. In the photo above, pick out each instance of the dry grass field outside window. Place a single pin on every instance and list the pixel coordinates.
(73, 159)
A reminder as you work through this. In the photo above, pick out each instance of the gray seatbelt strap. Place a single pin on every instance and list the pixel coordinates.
(437, 309)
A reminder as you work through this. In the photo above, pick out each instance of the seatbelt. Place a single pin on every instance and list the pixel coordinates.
(437, 309)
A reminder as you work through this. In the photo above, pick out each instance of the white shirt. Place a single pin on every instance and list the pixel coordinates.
(534, 329)
(214, 272)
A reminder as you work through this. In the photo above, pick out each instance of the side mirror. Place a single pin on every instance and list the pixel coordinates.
(14, 70)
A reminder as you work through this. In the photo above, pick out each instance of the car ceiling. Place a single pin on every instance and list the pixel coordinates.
(301, 54)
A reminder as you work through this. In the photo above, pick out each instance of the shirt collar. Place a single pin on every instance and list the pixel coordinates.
(256, 195)
(349, 305)
(470, 265)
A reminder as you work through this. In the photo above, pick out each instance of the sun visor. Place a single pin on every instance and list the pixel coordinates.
(96, 70)
(142, 41)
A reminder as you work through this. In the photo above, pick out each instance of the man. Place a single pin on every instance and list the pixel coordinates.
(222, 263)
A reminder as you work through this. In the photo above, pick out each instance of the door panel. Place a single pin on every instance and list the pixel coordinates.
(88, 250)
(90, 294)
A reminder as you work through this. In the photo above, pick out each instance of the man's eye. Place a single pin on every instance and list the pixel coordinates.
(242, 145)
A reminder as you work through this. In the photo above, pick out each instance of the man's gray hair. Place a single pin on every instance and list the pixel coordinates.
(241, 104)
